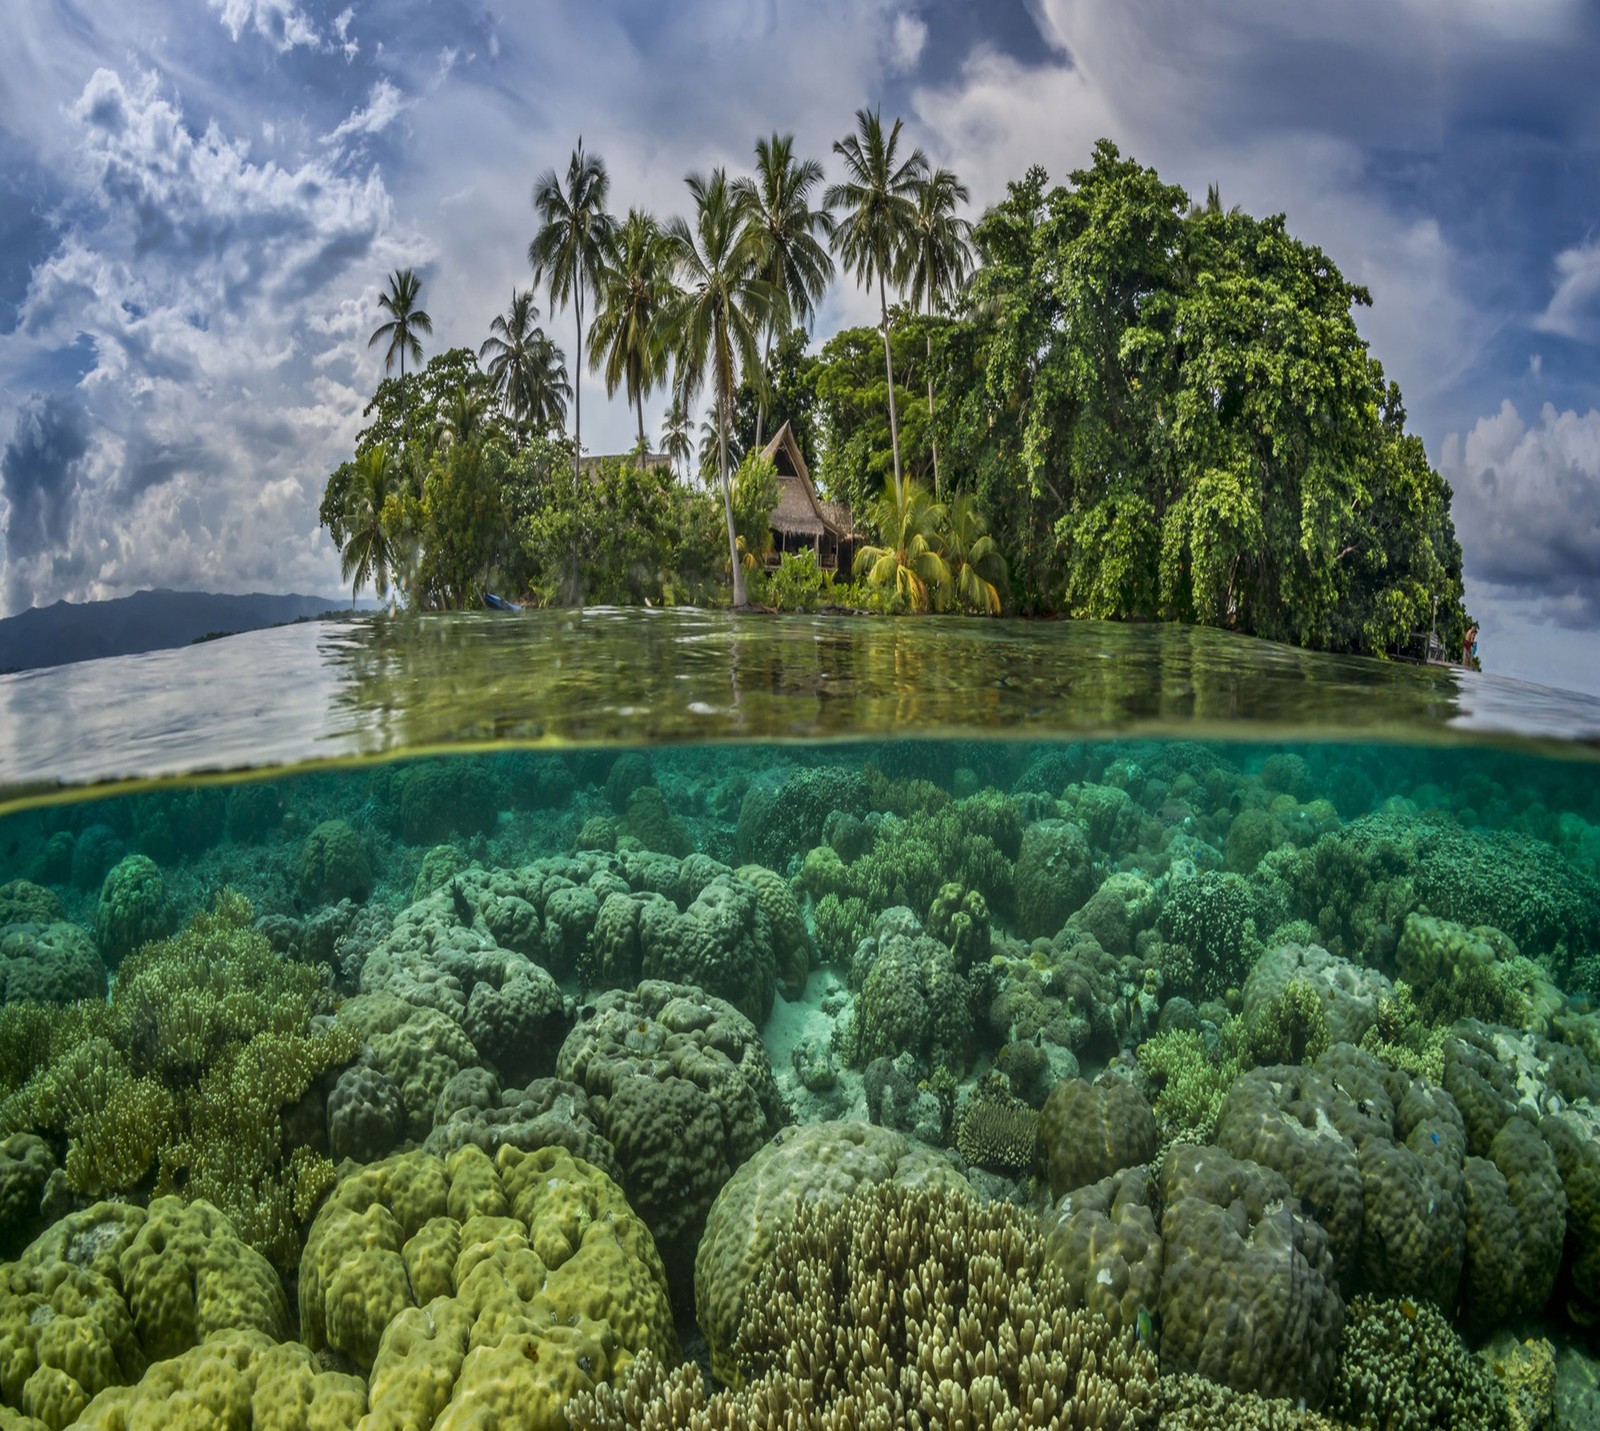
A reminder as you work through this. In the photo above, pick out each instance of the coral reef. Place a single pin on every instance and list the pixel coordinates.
(898, 1298)
(494, 1288)
(684, 1092)
(815, 1164)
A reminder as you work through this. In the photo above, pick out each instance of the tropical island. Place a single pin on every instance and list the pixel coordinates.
(1099, 399)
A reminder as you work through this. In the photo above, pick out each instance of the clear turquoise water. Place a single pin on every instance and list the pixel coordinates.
(935, 866)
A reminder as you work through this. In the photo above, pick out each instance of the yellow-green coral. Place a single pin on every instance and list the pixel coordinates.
(482, 1291)
(1292, 1028)
(1190, 1082)
(179, 1083)
(1403, 1039)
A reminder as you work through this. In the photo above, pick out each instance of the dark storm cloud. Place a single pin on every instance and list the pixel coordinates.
(39, 474)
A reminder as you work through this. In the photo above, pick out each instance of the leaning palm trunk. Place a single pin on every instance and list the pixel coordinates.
(888, 364)
(932, 440)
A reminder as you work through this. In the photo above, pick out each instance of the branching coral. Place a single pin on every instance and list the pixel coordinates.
(896, 1303)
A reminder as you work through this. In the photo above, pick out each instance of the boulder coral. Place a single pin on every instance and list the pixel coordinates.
(109, 1290)
(472, 1290)
(1234, 1236)
(1088, 1131)
(133, 908)
(685, 1094)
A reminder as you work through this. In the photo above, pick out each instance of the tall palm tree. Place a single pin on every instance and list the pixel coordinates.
(715, 326)
(406, 321)
(634, 290)
(368, 553)
(520, 361)
(909, 556)
(937, 260)
(872, 238)
(776, 208)
(568, 250)
(675, 439)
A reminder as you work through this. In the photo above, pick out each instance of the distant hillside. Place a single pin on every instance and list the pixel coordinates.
(145, 621)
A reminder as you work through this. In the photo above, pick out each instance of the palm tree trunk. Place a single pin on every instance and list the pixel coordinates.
(577, 391)
(888, 364)
(638, 397)
(740, 598)
(932, 440)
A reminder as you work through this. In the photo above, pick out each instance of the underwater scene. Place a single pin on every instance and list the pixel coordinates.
(1112, 1083)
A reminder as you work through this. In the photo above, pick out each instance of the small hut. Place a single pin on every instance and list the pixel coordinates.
(801, 519)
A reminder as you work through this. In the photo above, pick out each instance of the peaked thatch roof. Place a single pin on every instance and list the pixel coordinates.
(800, 512)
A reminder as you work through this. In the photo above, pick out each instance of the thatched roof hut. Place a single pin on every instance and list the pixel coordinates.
(801, 518)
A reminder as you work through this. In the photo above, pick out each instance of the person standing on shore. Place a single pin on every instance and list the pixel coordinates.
(1469, 646)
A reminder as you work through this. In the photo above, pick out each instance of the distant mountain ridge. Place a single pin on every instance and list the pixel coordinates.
(146, 621)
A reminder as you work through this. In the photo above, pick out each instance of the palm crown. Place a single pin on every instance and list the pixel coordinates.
(879, 223)
(569, 249)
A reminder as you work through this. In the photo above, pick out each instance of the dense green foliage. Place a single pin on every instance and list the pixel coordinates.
(1097, 401)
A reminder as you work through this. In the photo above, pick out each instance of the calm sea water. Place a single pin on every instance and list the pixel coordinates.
(1045, 907)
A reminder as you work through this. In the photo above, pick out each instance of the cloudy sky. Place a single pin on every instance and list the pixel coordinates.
(200, 199)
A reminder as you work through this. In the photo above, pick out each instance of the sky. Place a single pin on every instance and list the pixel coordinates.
(200, 201)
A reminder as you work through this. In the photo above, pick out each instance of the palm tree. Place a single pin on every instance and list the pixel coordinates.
(406, 321)
(977, 570)
(568, 249)
(776, 209)
(463, 420)
(634, 289)
(548, 388)
(675, 439)
(910, 557)
(874, 235)
(938, 259)
(368, 553)
(717, 322)
(525, 367)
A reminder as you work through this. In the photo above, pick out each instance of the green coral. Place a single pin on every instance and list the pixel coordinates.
(913, 999)
(651, 824)
(791, 940)
(181, 1079)
(23, 902)
(1215, 916)
(1055, 876)
(841, 924)
(1402, 1366)
(334, 864)
(439, 866)
(1456, 972)
(133, 908)
(1189, 1080)
(960, 918)
(1290, 1028)
(502, 1285)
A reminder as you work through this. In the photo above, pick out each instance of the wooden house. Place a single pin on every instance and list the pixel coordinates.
(801, 518)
